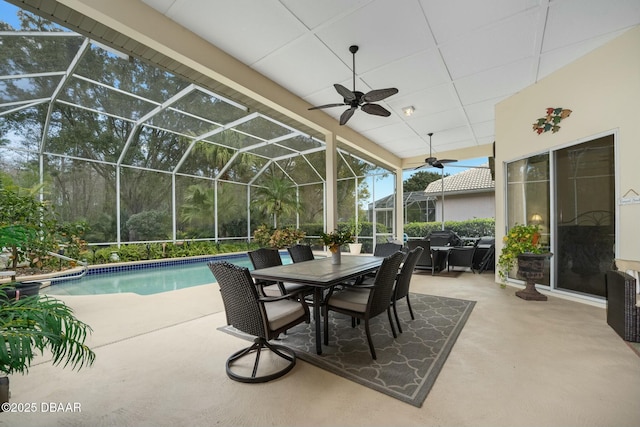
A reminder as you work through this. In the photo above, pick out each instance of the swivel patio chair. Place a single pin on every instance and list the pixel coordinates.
(263, 317)
(403, 281)
(301, 253)
(266, 257)
(366, 302)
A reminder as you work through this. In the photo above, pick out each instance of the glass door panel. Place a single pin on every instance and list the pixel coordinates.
(528, 200)
(585, 215)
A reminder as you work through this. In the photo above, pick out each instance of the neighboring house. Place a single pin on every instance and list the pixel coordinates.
(467, 195)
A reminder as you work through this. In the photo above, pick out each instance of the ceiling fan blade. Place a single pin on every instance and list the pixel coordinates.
(342, 104)
(379, 94)
(376, 110)
(345, 93)
(447, 160)
(344, 117)
(437, 164)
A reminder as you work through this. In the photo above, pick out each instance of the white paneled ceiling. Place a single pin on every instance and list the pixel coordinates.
(452, 60)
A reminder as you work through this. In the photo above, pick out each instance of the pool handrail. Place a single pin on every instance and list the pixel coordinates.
(84, 264)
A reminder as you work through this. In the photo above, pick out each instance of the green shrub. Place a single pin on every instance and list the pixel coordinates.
(278, 238)
(476, 227)
(149, 225)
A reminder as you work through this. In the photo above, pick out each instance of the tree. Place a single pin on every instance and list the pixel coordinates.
(277, 196)
(420, 180)
(198, 208)
(25, 225)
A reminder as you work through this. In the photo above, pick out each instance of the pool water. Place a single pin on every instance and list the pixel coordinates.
(145, 281)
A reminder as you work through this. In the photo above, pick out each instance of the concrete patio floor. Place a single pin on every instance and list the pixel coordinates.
(160, 362)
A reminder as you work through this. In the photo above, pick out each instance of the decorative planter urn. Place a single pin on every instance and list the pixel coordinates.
(530, 269)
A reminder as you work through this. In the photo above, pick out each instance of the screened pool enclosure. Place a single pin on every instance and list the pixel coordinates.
(142, 154)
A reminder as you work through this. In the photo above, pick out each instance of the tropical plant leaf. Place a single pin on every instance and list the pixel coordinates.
(41, 322)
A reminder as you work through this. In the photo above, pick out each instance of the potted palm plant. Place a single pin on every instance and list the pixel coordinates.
(522, 247)
(36, 323)
(30, 322)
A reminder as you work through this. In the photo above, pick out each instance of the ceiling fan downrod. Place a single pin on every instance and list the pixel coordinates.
(353, 49)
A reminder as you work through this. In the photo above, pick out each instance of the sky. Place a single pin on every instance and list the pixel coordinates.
(450, 168)
(8, 13)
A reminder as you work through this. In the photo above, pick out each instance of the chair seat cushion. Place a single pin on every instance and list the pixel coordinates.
(282, 312)
(352, 299)
(274, 290)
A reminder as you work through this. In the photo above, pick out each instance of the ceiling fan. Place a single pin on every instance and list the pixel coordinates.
(355, 99)
(433, 161)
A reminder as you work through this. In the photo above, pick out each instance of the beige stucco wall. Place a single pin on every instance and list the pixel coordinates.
(603, 91)
(460, 207)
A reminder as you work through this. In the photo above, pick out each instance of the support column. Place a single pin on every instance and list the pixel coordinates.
(331, 185)
(399, 208)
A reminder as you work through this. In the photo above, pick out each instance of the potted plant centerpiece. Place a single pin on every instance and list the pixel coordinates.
(522, 247)
(334, 240)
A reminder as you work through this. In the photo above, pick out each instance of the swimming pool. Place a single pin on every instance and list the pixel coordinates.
(145, 279)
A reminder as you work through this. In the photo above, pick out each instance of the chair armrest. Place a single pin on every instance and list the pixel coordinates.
(278, 298)
(371, 286)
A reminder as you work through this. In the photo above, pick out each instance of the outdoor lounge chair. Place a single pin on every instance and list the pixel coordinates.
(366, 302)
(484, 257)
(263, 317)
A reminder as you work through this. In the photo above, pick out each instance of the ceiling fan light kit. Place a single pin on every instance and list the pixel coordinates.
(354, 99)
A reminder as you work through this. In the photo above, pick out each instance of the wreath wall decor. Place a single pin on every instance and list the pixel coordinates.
(551, 121)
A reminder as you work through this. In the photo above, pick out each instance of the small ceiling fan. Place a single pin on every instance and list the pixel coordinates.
(433, 161)
(355, 99)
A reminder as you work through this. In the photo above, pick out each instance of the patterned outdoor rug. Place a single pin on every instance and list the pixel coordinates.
(406, 367)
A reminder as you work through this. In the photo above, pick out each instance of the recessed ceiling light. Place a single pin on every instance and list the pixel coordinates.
(408, 111)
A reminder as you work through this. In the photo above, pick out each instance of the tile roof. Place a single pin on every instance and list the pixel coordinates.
(472, 180)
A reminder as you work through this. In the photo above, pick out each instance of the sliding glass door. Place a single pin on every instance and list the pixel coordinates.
(581, 220)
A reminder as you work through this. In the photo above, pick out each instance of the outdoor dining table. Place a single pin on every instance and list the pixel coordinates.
(321, 274)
